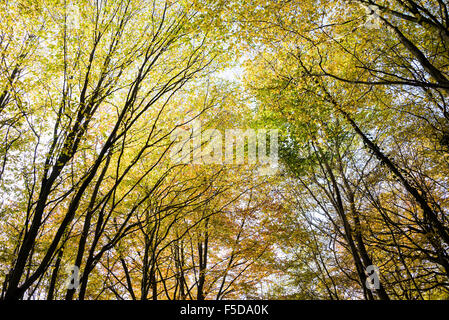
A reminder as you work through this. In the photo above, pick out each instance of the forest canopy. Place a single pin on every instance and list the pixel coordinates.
(213, 149)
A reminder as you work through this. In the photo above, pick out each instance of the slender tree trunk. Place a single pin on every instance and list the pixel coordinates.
(54, 276)
(202, 253)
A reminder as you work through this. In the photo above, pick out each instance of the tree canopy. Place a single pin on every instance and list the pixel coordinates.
(96, 98)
